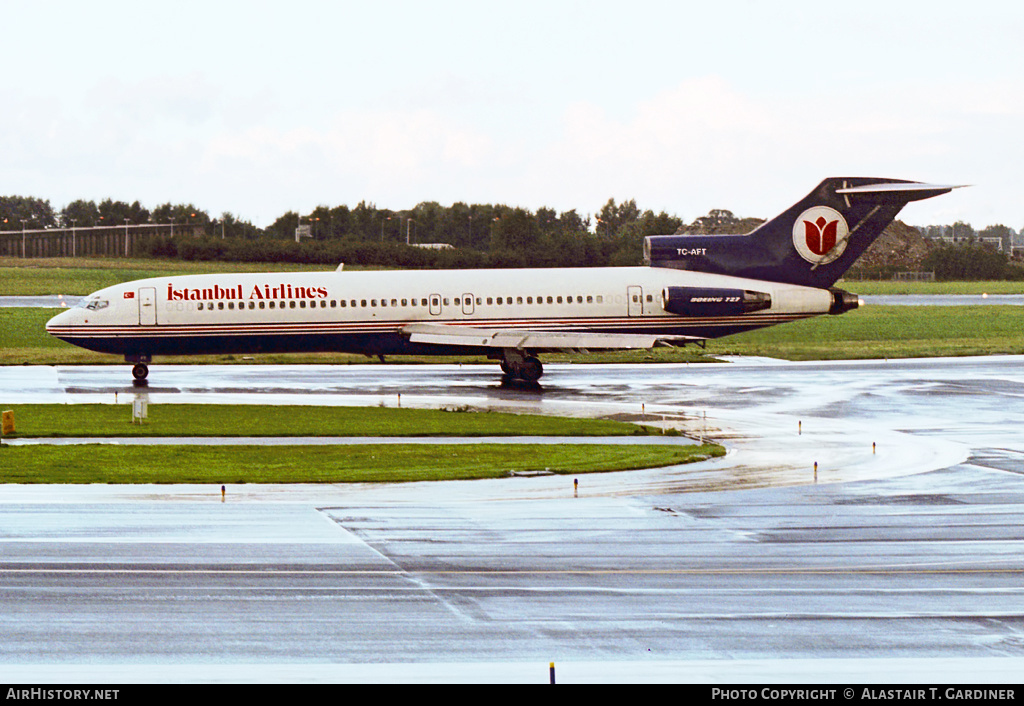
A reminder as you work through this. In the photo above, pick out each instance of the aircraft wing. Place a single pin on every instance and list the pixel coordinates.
(525, 339)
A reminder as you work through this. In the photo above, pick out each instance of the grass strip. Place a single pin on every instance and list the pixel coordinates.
(170, 420)
(98, 463)
(80, 276)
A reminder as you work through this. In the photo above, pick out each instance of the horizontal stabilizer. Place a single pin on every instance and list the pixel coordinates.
(908, 190)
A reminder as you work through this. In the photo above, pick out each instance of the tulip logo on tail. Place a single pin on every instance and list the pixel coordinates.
(819, 235)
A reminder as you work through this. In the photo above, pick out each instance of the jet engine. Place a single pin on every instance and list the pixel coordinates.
(713, 301)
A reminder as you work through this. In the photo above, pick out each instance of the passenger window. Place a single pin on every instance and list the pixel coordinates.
(362, 302)
(600, 299)
(291, 304)
(373, 302)
(383, 302)
(489, 301)
(405, 302)
(263, 305)
(272, 304)
(529, 300)
(220, 305)
(423, 302)
(302, 304)
(590, 299)
(549, 300)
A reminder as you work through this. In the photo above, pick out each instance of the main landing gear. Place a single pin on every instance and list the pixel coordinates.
(519, 366)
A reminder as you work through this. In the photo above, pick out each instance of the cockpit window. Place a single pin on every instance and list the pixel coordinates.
(93, 304)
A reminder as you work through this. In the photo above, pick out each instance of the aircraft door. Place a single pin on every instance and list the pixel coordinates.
(435, 304)
(147, 306)
(635, 301)
(467, 304)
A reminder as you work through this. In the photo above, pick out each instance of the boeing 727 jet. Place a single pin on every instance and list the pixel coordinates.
(692, 288)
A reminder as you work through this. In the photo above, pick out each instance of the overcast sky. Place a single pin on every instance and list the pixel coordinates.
(258, 108)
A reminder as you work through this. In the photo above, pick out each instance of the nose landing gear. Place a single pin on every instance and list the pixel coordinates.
(140, 371)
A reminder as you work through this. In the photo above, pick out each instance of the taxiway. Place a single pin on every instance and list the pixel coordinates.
(902, 563)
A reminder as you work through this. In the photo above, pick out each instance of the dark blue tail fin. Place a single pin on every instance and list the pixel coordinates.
(812, 243)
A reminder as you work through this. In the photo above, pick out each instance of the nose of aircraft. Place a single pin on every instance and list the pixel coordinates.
(64, 318)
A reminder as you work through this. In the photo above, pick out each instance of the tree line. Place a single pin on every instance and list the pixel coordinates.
(481, 235)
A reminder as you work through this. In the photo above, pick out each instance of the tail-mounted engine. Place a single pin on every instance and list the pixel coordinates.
(713, 301)
(843, 301)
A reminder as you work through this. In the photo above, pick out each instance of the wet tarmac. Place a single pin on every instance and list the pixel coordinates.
(944, 299)
(902, 563)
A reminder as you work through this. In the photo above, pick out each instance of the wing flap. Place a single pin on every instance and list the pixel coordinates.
(524, 339)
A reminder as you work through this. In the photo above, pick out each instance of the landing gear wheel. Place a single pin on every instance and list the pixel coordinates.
(528, 369)
(140, 371)
(531, 370)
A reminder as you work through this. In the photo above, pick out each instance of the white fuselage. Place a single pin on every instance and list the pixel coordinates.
(366, 311)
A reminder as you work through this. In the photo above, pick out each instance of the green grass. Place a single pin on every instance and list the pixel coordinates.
(80, 276)
(172, 420)
(324, 464)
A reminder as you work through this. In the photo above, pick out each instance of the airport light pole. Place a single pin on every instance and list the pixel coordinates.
(126, 237)
(74, 248)
(408, 226)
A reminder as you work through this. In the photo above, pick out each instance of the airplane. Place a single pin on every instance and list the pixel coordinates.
(691, 288)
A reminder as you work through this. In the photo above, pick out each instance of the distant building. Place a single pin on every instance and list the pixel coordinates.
(433, 246)
(998, 241)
